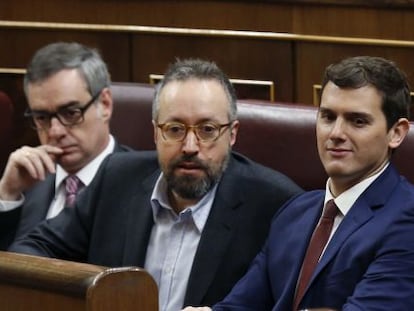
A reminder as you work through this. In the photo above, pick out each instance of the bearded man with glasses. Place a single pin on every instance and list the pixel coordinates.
(193, 214)
(70, 105)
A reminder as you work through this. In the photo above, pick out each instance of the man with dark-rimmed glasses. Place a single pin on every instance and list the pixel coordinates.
(70, 105)
(193, 213)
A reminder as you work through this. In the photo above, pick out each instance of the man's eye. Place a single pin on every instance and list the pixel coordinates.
(70, 113)
(207, 128)
(40, 117)
(175, 129)
(329, 117)
(360, 122)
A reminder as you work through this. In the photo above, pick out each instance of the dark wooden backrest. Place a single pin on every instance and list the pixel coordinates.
(36, 283)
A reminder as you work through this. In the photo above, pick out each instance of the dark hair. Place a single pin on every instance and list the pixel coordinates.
(187, 69)
(55, 57)
(383, 74)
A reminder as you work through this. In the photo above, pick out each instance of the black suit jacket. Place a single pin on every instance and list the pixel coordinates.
(23, 219)
(112, 221)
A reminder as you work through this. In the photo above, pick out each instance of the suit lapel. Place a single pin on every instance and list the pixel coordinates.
(121, 148)
(215, 238)
(140, 222)
(307, 216)
(358, 215)
(361, 212)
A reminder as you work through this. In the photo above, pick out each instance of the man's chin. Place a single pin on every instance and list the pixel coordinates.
(69, 161)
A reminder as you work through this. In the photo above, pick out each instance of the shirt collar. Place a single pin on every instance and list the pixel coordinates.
(346, 199)
(86, 173)
(199, 211)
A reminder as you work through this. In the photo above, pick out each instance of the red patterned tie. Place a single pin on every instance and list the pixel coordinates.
(317, 244)
(72, 187)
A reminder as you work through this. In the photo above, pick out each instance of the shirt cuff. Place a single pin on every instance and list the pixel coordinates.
(6, 206)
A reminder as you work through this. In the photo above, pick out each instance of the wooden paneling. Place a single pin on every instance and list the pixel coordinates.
(363, 22)
(19, 45)
(241, 59)
(353, 18)
(363, 3)
(252, 15)
(313, 57)
(292, 62)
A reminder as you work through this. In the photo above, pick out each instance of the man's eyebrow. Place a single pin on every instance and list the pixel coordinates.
(64, 106)
(323, 109)
(70, 104)
(358, 115)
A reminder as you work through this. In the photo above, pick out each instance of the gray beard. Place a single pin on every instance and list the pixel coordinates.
(193, 188)
(189, 187)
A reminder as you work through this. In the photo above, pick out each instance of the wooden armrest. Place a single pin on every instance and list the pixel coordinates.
(30, 282)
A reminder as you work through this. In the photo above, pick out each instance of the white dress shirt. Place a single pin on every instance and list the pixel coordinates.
(347, 199)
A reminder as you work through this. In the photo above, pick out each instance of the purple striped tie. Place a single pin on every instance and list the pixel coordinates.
(72, 186)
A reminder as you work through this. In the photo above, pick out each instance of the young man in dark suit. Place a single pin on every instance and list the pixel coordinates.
(366, 261)
(70, 105)
(194, 214)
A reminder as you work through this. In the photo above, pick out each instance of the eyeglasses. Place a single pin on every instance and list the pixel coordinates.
(205, 132)
(67, 116)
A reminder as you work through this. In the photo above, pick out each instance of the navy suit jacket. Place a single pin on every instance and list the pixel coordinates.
(112, 221)
(18, 222)
(368, 264)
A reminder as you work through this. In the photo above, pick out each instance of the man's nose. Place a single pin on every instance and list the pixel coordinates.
(338, 129)
(190, 142)
(56, 127)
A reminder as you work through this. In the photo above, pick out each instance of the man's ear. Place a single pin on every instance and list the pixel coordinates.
(106, 104)
(154, 124)
(398, 132)
(233, 132)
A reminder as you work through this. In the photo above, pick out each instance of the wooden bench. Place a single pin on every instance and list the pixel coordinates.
(37, 283)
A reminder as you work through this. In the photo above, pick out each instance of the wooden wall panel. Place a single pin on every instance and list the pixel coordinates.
(19, 45)
(303, 17)
(312, 58)
(218, 14)
(239, 58)
(363, 22)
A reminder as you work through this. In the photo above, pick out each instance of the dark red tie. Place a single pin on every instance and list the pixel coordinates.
(317, 244)
(72, 186)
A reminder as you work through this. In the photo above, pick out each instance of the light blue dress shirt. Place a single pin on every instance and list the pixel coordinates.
(173, 243)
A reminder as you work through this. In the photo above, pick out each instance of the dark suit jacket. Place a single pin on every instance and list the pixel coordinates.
(112, 221)
(368, 264)
(23, 219)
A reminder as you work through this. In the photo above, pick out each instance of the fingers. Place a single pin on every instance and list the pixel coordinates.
(25, 167)
(37, 161)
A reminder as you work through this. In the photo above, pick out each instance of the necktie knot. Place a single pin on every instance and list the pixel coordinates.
(72, 186)
(330, 210)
